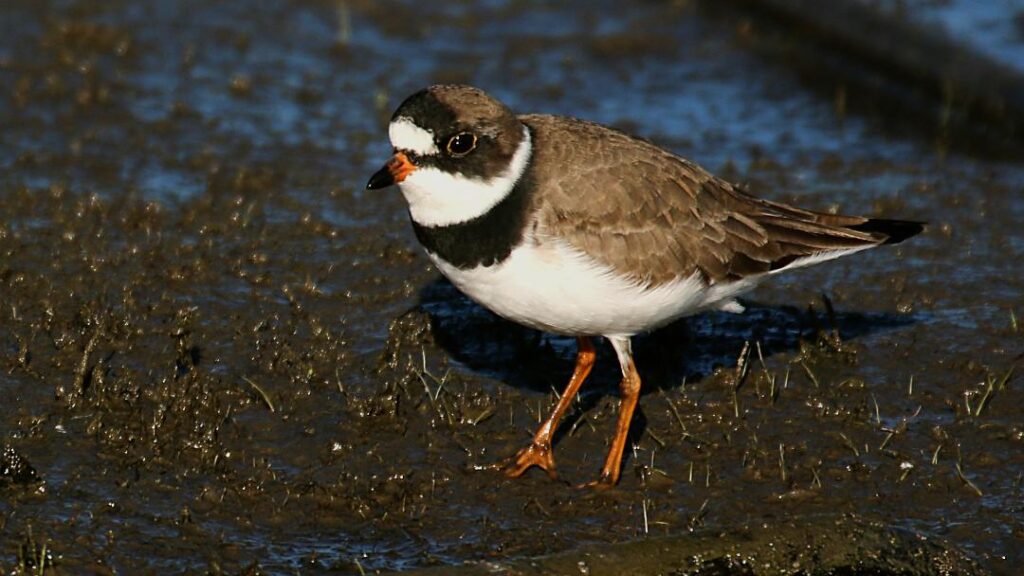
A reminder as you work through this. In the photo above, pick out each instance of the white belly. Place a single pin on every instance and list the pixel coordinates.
(557, 289)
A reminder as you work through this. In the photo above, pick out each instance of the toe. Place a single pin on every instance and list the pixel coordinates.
(601, 484)
(532, 455)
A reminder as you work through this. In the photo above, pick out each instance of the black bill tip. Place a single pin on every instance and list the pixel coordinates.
(381, 179)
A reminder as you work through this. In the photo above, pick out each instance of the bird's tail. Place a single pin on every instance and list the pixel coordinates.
(895, 231)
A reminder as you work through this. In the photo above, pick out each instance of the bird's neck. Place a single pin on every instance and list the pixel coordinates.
(440, 198)
(485, 236)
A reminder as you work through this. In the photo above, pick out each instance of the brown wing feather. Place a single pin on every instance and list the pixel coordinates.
(656, 217)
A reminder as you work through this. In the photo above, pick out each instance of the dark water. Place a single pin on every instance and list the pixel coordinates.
(197, 294)
(994, 27)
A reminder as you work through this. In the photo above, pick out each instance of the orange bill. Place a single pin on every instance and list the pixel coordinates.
(396, 170)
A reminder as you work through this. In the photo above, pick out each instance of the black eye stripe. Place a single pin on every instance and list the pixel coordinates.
(409, 154)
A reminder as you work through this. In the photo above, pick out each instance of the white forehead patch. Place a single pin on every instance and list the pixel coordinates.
(406, 135)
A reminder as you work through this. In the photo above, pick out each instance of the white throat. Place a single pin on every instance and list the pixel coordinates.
(438, 198)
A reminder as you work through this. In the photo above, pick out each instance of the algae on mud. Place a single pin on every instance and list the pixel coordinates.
(166, 237)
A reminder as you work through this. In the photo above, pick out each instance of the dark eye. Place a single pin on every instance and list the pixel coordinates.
(461, 144)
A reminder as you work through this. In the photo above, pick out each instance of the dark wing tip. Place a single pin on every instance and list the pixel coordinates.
(895, 231)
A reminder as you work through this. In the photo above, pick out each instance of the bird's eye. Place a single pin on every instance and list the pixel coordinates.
(461, 144)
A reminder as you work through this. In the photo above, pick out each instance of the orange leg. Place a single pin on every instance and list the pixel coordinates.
(630, 390)
(539, 452)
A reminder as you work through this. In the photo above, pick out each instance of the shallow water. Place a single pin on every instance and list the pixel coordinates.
(221, 352)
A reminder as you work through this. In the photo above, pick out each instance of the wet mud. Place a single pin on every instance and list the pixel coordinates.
(845, 545)
(221, 355)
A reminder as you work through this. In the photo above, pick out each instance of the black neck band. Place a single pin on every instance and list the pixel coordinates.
(487, 239)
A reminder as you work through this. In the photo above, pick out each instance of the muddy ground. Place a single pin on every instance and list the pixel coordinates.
(220, 354)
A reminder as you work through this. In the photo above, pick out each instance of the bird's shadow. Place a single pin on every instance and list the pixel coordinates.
(686, 350)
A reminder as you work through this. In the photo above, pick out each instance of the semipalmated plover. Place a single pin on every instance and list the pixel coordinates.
(574, 228)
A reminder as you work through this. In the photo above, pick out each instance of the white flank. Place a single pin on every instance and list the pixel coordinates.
(822, 257)
(438, 198)
(558, 289)
(555, 288)
(731, 306)
(406, 135)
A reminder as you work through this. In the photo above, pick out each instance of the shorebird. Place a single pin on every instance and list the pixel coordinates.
(577, 229)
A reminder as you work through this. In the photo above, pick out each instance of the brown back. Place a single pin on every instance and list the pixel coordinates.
(656, 217)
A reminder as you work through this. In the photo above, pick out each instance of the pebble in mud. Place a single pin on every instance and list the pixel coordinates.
(15, 469)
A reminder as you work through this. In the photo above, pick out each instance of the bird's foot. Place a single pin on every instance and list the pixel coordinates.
(536, 454)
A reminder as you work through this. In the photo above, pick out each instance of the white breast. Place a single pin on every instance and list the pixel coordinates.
(555, 288)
